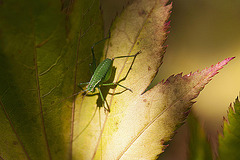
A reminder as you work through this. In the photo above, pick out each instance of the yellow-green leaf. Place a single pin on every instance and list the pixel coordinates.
(139, 123)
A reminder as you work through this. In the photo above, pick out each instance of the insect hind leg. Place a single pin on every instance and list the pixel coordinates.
(134, 57)
(117, 83)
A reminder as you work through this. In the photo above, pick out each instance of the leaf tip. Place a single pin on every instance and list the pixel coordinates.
(225, 61)
(213, 70)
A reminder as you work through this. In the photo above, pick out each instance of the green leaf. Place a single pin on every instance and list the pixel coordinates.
(199, 147)
(229, 140)
(45, 49)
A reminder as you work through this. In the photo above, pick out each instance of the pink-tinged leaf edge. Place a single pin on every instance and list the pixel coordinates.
(208, 73)
(213, 70)
(205, 77)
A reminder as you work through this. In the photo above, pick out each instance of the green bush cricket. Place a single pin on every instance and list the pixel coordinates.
(102, 74)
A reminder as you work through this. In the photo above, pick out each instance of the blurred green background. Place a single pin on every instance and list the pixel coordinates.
(202, 33)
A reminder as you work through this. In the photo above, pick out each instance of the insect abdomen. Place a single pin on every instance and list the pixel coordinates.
(100, 73)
